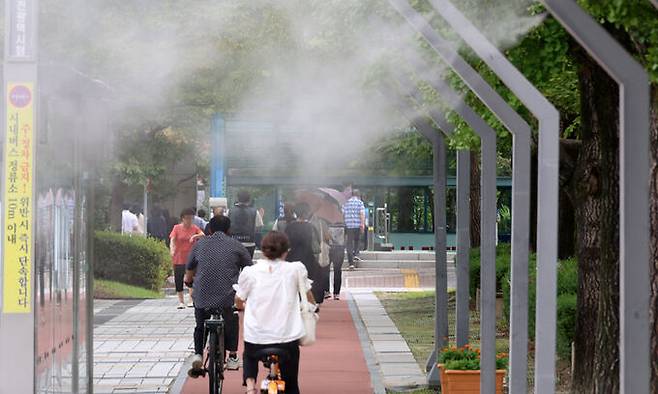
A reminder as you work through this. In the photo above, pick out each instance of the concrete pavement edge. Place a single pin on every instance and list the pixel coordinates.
(376, 377)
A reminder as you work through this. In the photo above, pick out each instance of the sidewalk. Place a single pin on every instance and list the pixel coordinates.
(334, 364)
(392, 355)
(139, 346)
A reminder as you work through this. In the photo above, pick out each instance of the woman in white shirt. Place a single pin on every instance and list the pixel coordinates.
(269, 293)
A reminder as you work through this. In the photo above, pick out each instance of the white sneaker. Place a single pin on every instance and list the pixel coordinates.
(351, 267)
(190, 304)
(181, 305)
(197, 362)
(233, 363)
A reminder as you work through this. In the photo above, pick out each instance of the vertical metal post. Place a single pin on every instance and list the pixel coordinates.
(441, 305)
(634, 289)
(441, 270)
(17, 327)
(463, 245)
(146, 208)
(488, 266)
(488, 214)
(520, 178)
(548, 168)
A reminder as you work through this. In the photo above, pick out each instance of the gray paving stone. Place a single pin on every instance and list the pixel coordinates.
(142, 349)
(389, 346)
(399, 357)
(401, 369)
(386, 337)
(383, 330)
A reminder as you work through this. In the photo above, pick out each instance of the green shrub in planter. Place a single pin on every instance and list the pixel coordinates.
(137, 261)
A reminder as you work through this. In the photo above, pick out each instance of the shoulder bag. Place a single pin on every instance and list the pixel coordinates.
(309, 317)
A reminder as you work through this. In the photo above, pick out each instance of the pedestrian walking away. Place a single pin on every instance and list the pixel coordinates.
(300, 235)
(213, 267)
(336, 258)
(269, 293)
(354, 213)
(200, 219)
(288, 217)
(321, 249)
(182, 236)
(129, 221)
(243, 220)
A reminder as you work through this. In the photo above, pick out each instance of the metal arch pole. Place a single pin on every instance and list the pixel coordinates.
(488, 136)
(634, 287)
(463, 246)
(547, 195)
(439, 214)
(520, 179)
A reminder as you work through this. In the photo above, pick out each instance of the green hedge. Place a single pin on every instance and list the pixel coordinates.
(137, 261)
(567, 287)
(503, 252)
(567, 279)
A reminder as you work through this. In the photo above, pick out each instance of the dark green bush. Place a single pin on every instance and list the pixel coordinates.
(566, 323)
(137, 261)
(503, 251)
(567, 286)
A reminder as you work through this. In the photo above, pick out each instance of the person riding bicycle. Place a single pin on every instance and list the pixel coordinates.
(213, 267)
(269, 293)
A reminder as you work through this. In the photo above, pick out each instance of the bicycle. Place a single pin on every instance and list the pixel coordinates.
(214, 362)
(271, 359)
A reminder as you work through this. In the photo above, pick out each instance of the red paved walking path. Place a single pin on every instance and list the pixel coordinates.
(334, 364)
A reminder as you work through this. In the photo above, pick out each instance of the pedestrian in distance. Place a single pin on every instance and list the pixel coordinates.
(288, 217)
(336, 258)
(268, 291)
(200, 219)
(301, 234)
(181, 238)
(129, 221)
(354, 214)
(243, 218)
(213, 267)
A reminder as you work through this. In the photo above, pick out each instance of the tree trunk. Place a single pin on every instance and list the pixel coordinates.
(569, 151)
(596, 189)
(475, 199)
(653, 243)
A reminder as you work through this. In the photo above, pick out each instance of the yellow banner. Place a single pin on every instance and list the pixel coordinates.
(18, 199)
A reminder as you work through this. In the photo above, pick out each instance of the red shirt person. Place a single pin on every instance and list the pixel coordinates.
(182, 238)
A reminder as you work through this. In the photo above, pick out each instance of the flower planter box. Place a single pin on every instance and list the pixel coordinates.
(466, 382)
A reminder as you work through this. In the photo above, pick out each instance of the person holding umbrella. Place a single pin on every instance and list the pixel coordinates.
(300, 234)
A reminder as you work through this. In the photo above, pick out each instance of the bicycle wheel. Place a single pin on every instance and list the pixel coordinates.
(214, 384)
(219, 359)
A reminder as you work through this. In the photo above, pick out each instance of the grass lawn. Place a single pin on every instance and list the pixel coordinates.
(115, 290)
(413, 314)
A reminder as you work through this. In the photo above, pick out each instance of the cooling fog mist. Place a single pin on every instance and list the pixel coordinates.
(314, 66)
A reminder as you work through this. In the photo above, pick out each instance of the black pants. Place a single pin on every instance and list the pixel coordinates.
(231, 330)
(352, 243)
(336, 258)
(179, 275)
(289, 366)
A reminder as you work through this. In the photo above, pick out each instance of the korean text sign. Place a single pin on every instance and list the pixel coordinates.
(17, 199)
